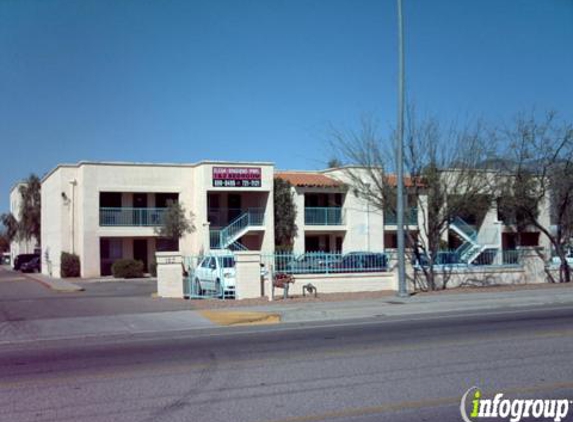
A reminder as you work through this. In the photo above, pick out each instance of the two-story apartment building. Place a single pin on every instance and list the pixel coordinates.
(332, 216)
(106, 211)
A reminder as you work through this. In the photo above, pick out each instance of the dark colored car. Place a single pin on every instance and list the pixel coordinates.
(443, 258)
(32, 266)
(362, 262)
(23, 258)
(312, 263)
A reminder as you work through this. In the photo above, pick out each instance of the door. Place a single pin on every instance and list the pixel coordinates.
(234, 206)
(140, 251)
(209, 274)
(140, 214)
(312, 244)
(111, 249)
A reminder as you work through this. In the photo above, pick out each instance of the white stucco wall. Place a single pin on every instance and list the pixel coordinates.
(364, 221)
(56, 218)
(191, 182)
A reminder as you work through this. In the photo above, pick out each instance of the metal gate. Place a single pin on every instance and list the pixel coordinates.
(197, 288)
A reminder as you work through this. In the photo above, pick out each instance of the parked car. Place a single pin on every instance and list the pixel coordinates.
(448, 258)
(216, 274)
(6, 258)
(312, 263)
(361, 262)
(32, 266)
(23, 258)
(569, 257)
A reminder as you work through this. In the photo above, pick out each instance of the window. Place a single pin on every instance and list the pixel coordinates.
(227, 262)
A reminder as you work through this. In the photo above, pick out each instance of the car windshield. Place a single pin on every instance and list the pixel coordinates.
(228, 262)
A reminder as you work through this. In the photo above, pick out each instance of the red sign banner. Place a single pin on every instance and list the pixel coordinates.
(237, 177)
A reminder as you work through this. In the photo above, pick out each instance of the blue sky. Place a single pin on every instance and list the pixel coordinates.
(182, 81)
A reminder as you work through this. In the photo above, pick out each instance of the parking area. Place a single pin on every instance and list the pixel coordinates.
(23, 298)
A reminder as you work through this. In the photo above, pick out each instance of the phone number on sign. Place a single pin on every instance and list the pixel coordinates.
(237, 183)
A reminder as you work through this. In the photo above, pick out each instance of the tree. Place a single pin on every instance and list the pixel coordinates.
(4, 242)
(538, 175)
(29, 224)
(443, 179)
(10, 223)
(285, 215)
(334, 163)
(175, 223)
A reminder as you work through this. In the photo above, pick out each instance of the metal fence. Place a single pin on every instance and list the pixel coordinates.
(410, 217)
(324, 216)
(129, 217)
(488, 257)
(325, 263)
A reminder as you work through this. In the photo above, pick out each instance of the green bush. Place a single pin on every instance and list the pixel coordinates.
(69, 265)
(127, 268)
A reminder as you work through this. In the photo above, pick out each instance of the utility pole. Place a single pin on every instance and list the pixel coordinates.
(402, 290)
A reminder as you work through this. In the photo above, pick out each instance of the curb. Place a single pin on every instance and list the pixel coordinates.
(71, 288)
(235, 318)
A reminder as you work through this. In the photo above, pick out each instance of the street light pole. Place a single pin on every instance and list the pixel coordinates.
(402, 290)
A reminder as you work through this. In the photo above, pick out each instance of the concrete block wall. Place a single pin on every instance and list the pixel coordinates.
(345, 283)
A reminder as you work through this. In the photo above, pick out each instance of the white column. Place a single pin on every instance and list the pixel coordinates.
(533, 264)
(299, 246)
(247, 274)
(206, 237)
(169, 274)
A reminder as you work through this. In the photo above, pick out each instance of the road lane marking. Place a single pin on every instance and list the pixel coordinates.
(7, 279)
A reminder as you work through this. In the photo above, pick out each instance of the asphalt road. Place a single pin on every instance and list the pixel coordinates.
(373, 370)
(22, 298)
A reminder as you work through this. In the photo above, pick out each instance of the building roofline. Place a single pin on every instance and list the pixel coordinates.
(148, 164)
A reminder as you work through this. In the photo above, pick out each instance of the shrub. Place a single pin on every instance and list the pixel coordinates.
(153, 268)
(69, 265)
(127, 268)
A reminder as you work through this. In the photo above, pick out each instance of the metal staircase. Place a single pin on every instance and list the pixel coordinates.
(227, 237)
(470, 249)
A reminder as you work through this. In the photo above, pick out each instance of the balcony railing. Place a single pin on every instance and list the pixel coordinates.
(323, 216)
(131, 217)
(410, 217)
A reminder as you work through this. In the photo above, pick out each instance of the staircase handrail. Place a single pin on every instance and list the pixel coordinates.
(468, 230)
(251, 217)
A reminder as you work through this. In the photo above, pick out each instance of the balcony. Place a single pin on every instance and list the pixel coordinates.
(324, 216)
(410, 217)
(131, 217)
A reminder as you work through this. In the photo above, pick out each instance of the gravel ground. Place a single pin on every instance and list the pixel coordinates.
(293, 299)
(341, 297)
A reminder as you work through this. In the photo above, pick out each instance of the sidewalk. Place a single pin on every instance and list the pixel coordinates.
(419, 305)
(414, 307)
